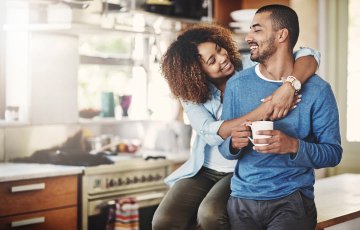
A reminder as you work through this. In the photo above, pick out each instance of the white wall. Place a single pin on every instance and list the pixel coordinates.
(308, 18)
(2, 145)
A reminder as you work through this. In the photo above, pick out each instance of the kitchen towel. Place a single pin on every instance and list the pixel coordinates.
(127, 214)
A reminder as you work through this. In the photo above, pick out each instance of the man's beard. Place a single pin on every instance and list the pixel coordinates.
(267, 52)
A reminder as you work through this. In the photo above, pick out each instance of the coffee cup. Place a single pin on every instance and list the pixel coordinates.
(257, 126)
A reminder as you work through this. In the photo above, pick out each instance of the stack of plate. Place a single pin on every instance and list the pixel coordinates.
(242, 20)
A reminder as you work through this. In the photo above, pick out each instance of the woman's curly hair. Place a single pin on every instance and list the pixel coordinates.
(181, 66)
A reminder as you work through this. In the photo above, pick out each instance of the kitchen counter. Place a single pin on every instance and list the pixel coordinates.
(337, 201)
(23, 171)
(20, 171)
(175, 157)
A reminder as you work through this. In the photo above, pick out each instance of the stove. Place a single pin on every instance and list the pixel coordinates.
(109, 177)
(137, 178)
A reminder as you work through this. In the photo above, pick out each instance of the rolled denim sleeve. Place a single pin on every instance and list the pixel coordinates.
(205, 125)
(306, 51)
(224, 149)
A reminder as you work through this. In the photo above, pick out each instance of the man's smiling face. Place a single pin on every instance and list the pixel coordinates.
(261, 37)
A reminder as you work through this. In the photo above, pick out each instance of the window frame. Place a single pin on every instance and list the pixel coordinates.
(2, 59)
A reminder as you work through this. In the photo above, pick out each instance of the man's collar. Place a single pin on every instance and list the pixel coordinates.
(260, 75)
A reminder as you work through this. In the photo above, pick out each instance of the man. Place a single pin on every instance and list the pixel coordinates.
(272, 186)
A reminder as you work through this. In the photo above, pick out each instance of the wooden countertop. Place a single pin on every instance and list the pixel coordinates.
(337, 199)
(21, 171)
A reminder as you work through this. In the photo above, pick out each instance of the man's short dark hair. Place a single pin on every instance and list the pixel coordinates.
(283, 17)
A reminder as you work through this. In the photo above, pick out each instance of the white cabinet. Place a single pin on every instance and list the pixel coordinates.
(53, 69)
(40, 63)
(41, 76)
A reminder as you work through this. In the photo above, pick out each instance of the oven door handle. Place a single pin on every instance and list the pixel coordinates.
(143, 197)
(94, 207)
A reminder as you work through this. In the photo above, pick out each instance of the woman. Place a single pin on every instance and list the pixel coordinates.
(197, 66)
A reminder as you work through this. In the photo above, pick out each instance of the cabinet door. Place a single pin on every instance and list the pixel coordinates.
(222, 10)
(57, 219)
(38, 194)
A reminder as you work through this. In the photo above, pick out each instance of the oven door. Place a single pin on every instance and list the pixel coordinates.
(99, 210)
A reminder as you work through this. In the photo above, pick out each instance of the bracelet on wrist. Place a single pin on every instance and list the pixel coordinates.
(295, 83)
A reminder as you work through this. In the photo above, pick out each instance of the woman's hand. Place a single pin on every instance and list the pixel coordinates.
(239, 136)
(265, 110)
(282, 101)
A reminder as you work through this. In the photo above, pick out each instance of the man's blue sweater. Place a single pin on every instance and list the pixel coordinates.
(315, 122)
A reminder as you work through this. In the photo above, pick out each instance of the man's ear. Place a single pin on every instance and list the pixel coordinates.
(283, 34)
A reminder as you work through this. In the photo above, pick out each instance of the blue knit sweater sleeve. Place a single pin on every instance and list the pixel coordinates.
(228, 114)
(326, 150)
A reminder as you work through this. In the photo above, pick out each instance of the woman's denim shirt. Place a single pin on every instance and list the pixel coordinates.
(202, 118)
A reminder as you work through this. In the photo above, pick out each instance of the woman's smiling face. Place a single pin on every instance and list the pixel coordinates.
(215, 61)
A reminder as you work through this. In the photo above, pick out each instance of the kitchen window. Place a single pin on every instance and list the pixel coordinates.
(353, 78)
(340, 48)
(52, 73)
(2, 60)
(124, 65)
(107, 66)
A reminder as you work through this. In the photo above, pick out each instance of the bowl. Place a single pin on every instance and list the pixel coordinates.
(243, 15)
(89, 113)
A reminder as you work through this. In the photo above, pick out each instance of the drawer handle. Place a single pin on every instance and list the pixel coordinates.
(29, 187)
(37, 220)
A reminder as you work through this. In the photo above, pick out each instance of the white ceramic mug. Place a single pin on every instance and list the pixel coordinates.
(257, 126)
